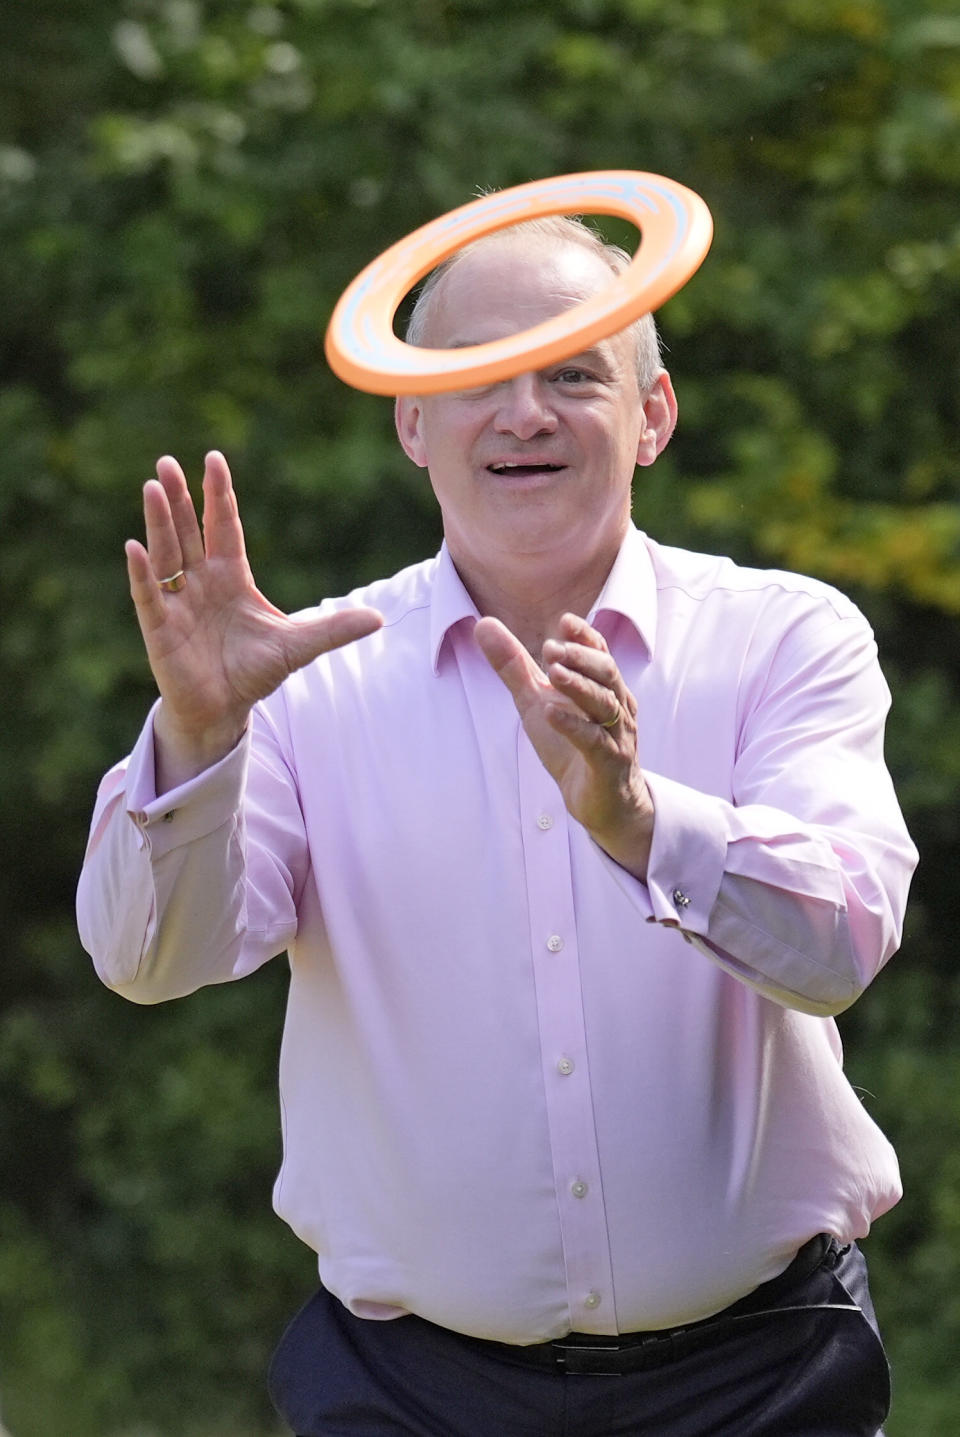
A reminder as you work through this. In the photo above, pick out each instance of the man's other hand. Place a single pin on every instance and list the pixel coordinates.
(582, 720)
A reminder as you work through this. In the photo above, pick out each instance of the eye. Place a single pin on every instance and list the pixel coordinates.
(478, 391)
(571, 376)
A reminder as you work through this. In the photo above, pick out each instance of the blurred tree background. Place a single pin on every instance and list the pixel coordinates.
(185, 188)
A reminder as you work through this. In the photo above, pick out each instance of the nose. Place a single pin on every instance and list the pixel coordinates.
(524, 408)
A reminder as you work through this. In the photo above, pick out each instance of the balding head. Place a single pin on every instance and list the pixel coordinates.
(546, 234)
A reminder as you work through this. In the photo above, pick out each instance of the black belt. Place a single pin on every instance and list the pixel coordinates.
(583, 1353)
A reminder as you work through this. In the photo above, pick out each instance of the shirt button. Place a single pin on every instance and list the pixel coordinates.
(544, 821)
(680, 899)
(592, 1300)
(565, 1066)
(554, 942)
(579, 1188)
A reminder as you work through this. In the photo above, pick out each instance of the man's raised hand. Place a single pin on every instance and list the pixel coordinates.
(215, 644)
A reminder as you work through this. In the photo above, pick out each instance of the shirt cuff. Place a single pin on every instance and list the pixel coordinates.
(192, 809)
(687, 858)
(688, 854)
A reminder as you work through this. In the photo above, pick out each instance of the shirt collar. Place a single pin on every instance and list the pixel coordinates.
(449, 603)
(630, 590)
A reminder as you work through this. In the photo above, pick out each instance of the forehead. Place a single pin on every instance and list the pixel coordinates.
(507, 284)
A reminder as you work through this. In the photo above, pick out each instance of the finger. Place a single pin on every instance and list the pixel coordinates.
(590, 737)
(596, 665)
(182, 510)
(573, 627)
(509, 660)
(222, 530)
(163, 541)
(575, 630)
(144, 589)
(596, 701)
(309, 637)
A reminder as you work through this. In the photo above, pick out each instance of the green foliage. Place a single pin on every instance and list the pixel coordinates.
(185, 188)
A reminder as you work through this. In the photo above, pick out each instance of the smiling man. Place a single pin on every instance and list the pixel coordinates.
(577, 844)
(534, 476)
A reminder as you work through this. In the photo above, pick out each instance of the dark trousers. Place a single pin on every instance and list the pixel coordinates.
(807, 1363)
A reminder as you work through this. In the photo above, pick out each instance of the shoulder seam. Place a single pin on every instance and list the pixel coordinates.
(823, 593)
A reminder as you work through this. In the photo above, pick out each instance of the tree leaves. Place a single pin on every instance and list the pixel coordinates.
(184, 191)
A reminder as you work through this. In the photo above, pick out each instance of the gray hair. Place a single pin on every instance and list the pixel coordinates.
(561, 229)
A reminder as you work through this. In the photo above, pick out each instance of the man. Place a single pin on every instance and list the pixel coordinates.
(576, 844)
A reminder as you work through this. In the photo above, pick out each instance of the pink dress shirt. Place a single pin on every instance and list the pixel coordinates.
(521, 1091)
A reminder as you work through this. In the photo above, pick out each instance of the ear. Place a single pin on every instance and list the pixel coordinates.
(659, 419)
(408, 417)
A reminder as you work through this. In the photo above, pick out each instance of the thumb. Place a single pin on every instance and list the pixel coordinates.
(508, 658)
(308, 636)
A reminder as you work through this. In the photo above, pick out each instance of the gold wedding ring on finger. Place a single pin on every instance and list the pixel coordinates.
(609, 723)
(173, 582)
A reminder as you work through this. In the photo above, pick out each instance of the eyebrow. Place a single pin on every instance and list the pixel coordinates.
(594, 356)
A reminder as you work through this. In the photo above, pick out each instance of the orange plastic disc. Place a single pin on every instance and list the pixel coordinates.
(675, 233)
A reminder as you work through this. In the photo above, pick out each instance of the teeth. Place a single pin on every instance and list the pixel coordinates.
(508, 468)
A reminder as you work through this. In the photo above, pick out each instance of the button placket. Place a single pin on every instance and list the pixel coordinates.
(563, 1045)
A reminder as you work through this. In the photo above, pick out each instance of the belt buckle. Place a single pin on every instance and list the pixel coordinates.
(582, 1359)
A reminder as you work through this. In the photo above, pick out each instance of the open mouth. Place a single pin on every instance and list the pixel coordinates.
(524, 471)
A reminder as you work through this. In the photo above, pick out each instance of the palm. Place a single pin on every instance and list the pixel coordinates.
(220, 646)
(595, 783)
(566, 765)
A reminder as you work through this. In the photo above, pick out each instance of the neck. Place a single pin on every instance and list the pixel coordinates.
(530, 593)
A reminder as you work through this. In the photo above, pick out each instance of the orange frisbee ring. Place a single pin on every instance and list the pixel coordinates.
(675, 233)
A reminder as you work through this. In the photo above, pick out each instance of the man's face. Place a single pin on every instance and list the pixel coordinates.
(543, 462)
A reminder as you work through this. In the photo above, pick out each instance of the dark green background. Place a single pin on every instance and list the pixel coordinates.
(185, 189)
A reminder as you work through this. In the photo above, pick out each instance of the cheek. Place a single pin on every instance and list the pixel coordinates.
(609, 439)
(446, 432)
